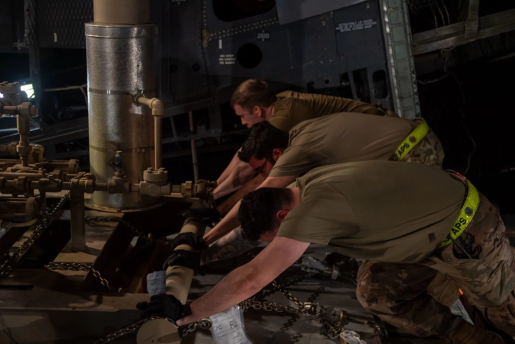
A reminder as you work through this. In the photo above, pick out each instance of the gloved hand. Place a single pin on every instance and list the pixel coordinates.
(190, 260)
(163, 305)
(207, 216)
(196, 241)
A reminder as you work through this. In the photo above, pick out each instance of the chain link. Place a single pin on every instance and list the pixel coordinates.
(331, 329)
(80, 267)
(7, 265)
(289, 296)
(127, 330)
(88, 266)
(10, 260)
(102, 280)
(69, 266)
(147, 237)
(274, 306)
(203, 323)
(206, 322)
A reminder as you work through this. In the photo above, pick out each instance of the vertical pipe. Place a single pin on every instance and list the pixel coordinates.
(78, 216)
(24, 157)
(157, 111)
(23, 147)
(193, 148)
(158, 138)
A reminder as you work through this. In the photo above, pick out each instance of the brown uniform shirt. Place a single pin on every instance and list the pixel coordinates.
(332, 104)
(376, 210)
(340, 138)
(291, 108)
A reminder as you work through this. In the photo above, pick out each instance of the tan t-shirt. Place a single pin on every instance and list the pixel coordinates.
(340, 138)
(291, 108)
(376, 210)
(288, 112)
(331, 104)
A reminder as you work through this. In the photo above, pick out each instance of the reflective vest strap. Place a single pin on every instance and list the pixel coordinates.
(411, 141)
(467, 212)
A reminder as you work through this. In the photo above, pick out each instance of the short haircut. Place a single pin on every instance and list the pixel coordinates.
(253, 92)
(262, 141)
(258, 211)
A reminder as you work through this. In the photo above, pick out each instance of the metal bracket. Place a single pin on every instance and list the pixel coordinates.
(472, 23)
(399, 55)
(454, 35)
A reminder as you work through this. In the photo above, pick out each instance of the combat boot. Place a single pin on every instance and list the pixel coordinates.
(466, 333)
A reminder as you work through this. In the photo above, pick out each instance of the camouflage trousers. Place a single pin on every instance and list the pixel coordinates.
(400, 293)
(428, 152)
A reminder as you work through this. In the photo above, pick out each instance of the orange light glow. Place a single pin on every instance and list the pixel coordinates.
(460, 292)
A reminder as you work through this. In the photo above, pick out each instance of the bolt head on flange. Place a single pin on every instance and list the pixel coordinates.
(7, 87)
(159, 177)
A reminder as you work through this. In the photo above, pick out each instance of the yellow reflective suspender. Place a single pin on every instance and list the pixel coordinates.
(411, 141)
(466, 214)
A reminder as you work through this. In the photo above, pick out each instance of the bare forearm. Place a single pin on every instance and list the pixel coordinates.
(249, 186)
(234, 161)
(231, 220)
(231, 245)
(242, 173)
(227, 224)
(248, 279)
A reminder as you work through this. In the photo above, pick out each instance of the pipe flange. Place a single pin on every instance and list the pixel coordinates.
(6, 87)
(159, 177)
(187, 188)
(73, 166)
(27, 110)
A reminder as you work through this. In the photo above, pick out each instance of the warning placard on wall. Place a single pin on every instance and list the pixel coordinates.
(356, 25)
(227, 59)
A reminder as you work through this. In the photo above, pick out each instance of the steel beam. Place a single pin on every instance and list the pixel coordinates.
(399, 56)
(78, 218)
(455, 35)
(472, 23)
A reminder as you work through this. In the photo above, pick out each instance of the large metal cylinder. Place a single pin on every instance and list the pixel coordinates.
(120, 61)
